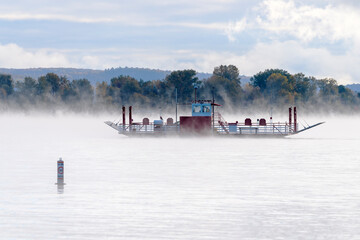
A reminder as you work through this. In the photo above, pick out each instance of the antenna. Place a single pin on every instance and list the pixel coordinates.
(195, 88)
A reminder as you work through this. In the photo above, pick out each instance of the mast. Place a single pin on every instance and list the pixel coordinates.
(176, 100)
(195, 87)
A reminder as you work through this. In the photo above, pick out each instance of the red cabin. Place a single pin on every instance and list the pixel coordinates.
(195, 124)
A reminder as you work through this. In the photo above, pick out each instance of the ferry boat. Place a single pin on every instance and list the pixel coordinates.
(205, 121)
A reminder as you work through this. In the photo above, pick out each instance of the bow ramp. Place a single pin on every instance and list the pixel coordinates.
(111, 124)
(307, 128)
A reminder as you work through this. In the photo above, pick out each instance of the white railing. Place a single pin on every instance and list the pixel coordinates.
(269, 129)
(224, 128)
(151, 128)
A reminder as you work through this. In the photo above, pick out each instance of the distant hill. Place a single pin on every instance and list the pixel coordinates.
(354, 87)
(93, 76)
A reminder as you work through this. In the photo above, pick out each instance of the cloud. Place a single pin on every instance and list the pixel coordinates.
(91, 61)
(52, 17)
(113, 8)
(290, 34)
(131, 13)
(289, 55)
(235, 28)
(13, 56)
(307, 22)
(295, 57)
(229, 28)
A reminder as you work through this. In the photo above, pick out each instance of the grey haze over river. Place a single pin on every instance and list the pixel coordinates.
(303, 187)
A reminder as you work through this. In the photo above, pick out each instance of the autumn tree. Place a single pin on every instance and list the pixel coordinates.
(346, 95)
(328, 89)
(84, 90)
(260, 79)
(26, 90)
(229, 72)
(6, 85)
(224, 84)
(125, 89)
(103, 94)
(184, 82)
(305, 87)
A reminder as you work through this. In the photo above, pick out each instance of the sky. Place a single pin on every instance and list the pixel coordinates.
(319, 38)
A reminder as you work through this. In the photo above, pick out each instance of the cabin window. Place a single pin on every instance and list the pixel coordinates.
(206, 109)
(197, 109)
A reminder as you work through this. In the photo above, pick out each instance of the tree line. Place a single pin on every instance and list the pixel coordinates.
(271, 87)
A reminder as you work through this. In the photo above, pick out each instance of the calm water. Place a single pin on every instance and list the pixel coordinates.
(306, 187)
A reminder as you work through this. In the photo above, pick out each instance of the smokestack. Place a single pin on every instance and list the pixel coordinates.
(290, 115)
(123, 115)
(130, 115)
(295, 120)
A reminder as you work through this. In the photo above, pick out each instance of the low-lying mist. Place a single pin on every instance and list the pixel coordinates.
(272, 90)
(68, 126)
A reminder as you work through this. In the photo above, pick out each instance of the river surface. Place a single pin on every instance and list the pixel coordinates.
(303, 187)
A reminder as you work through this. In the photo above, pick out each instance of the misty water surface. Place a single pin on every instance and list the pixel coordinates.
(304, 187)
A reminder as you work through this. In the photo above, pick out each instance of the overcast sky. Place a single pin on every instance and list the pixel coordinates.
(319, 37)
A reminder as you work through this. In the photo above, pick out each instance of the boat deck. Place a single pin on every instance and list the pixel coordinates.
(273, 129)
